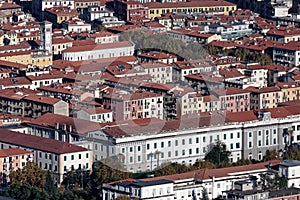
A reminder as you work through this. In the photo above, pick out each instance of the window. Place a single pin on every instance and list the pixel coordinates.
(190, 141)
(259, 133)
(65, 158)
(237, 145)
(176, 153)
(238, 134)
(176, 142)
(131, 159)
(72, 157)
(169, 143)
(231, 146)
(169, 154)
(231, 135)
(197, 150)
(190, 151)
(139, 148)
(155, 145)
(162, 144)
(250, 144)
(139, 158)
(87, 155)
(250, 134)
(183, 141)
(130, 149)
(148, 146)
(224, 136)
(204, 139)
(197, 140)
(259, 143)
(183, 152)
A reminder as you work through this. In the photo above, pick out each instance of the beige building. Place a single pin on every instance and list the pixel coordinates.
(160, 72)
(56, 156)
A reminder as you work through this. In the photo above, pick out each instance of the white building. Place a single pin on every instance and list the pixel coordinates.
(77, 26)
(38, 6)
(160, 72)
(55, 156)
(189, 185)
(98, 51)
(95, 115)
(287, 54)
(291, 170)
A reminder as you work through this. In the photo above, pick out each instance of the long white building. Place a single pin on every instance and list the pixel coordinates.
(97, 51)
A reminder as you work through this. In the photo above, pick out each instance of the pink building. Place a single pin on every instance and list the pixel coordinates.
(234, 99)
(141, 104)
(12, 159)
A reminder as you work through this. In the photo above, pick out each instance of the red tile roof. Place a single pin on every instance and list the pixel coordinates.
(13, 152)
(99, 46)
(193, 3)
(39, 143)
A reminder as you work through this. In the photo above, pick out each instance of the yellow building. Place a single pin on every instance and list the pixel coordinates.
(290, 91)
(156, 9)
(35, 58)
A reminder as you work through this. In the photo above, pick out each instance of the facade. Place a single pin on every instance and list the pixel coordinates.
(76, 25)
(161, 72)
(140, 104)
(187, 185)
(95, 115)
(156, 9)
(130, 10)
(287, 54)
(13, 159)
(291, 170)
(56, 156)
(38, 6)
(97, 51)
(57, 15)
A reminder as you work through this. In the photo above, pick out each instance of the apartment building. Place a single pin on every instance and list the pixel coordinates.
(76, 25)
(160, 72)
(284, 35)
(57, 15)
(291, 170)
(267, 97)
(155, 56)
(156, 9)
(130, 10)
(56, 156)
(26, 103)
(233, 99)
(13, 159)
(290, 91)
(39, 6)
(140, 104)
(99, 115)
(287, 54)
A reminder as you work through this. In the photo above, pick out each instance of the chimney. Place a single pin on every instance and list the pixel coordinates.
(56, 125)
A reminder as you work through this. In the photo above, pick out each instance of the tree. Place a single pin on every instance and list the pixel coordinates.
(203, 164)
(123, 198)
(242, 162)
(22, 191)
(49, 185)
(211, 50)
(292, 154)
(218, 154)
(31, 175)
(271, 155)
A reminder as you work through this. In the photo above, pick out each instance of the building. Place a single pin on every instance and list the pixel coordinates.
(13, 159)
(287, 54)
(57, 15)
(140, 104)
(26, 103)
(130, 10)
(291, 170)
(95, 115)
(284, 35)
(155, 56)
(189, 185)
(97, 51)
(56, 156)
(76, 25)
(161, 72)
(39, 6)
(156, 9)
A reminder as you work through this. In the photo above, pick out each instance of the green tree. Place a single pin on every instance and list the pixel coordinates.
(49, 185)
(22, 191)
(271, 155)
(242, 162)
(211, 50)
(292, 154)
(203, 164)
(31, 175)
(218, 154)
(123, 198)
